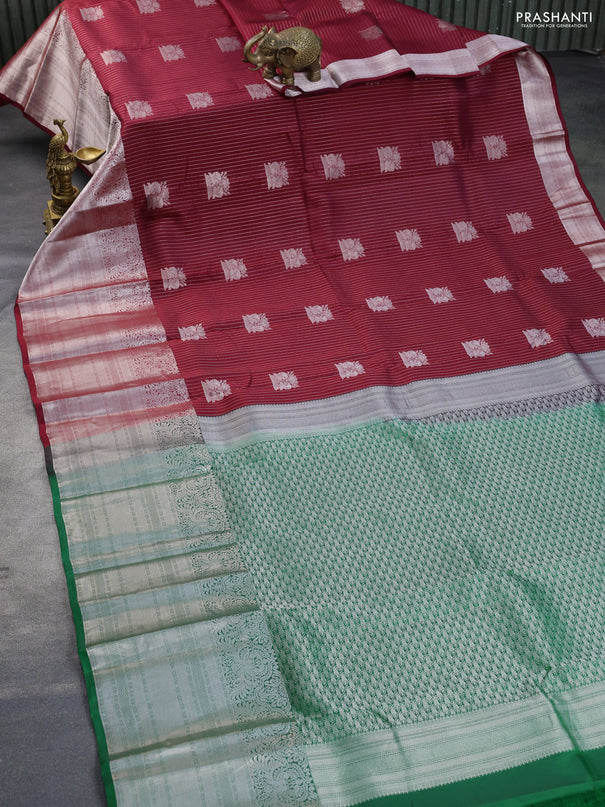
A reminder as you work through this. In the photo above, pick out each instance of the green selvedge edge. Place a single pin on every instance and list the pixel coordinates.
(91, 689)
(548, 782)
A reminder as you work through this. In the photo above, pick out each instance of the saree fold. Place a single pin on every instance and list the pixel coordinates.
(320, 376)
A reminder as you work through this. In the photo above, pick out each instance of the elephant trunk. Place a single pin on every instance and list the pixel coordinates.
(254, 58)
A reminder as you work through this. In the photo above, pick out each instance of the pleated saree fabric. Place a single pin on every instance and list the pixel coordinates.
(319, 372)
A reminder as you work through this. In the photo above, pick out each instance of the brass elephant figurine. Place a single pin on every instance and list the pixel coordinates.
(289, 51)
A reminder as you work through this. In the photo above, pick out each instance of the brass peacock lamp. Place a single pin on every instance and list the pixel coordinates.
(60, 165)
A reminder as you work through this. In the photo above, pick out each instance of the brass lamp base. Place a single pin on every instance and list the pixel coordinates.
(51, 215)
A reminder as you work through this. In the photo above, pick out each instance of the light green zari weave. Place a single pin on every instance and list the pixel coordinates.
(419, 623)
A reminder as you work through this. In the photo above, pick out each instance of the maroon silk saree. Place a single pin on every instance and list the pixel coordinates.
(319, 370)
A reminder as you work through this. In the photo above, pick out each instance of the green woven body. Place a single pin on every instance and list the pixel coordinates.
(414, 571)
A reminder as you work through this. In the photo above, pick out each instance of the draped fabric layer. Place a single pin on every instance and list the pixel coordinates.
(319, 373)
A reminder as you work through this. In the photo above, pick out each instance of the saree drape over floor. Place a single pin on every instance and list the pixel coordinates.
(319, 373)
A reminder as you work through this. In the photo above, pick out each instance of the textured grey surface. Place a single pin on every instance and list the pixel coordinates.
(48, 752)
(580, 79)
(18, 21)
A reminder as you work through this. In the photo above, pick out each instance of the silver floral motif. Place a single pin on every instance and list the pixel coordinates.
(163, 361)
(498, 284)
(130, 298)
(477, 348)
(165, 393)
(333, 165)
(413, 358)
(440, 295)
(319, 313)
(256, 323)
(259, 91)
(443, 151)
(495, 146)
(157, 194)
(555, 274)
(121, 254)
(349, 369)
(171, 53)
(234, 268)
(445, 25)
(465, 231)
(519, 222)
(215, 389)
(199, 505)
(283, 779)
(117, 192)
(377, 304)
(277, 175)
(113, 56)
(537, 337)
(389, 158)
(252, 665)
(409, 240)
(293, 258)
(284, 380)
(177, 457)
(229, 44)
(138, 109)
(227, 560)
(217, 184)
(92, 13)
(371, 33)
(173, 277)
(217, 596)
(352, 249)
(137, 337)
(148, 6)
(252, 677)
(352, 6)
(239, 629)
(200, 100)
(168, 432)
(192, 332)
(270, 738)
(595, 326)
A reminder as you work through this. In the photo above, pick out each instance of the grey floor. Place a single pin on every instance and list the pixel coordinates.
(48, 753)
